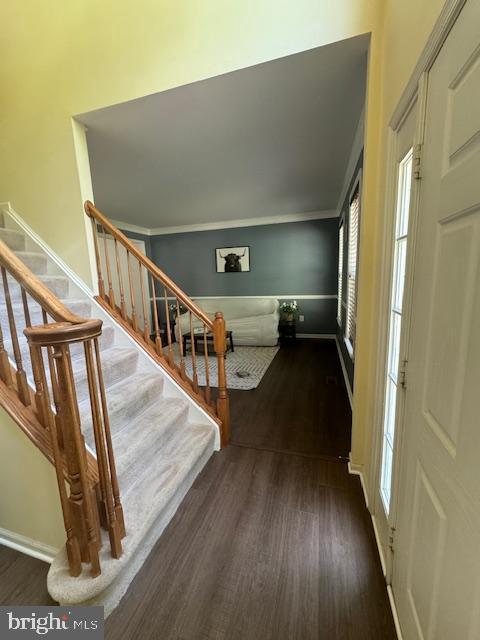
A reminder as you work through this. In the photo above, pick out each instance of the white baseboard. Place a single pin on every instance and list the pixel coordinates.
(357, 470)
(393, 606)
(379, 545)
(345, 374)
(317, 336)
(29, 547)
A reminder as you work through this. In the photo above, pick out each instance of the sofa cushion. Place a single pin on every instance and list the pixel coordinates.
(233, 308)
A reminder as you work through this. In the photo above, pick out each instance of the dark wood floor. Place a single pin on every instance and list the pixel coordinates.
(301, 404)
(266, 544)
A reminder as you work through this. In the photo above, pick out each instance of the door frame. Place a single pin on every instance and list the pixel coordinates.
(418, 102)
(415, 92)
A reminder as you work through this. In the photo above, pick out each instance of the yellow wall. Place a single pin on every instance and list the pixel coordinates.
(405, 27)
(58, 59)
(29, 501)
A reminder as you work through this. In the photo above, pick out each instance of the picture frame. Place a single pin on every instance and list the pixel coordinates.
(232, 259)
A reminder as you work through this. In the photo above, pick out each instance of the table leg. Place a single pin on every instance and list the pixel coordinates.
(231, 343)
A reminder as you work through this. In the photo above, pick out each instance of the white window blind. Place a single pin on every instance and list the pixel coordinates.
(340, 274)
(353, 226)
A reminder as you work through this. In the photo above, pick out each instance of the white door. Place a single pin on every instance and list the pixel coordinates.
(397, 250)
(436, 567)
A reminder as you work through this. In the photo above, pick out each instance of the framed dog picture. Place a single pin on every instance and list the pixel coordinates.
(233, 259)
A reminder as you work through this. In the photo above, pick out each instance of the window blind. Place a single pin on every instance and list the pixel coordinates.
(340, 274)
(353, 227)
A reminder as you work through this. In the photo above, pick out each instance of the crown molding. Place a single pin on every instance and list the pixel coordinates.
(227, 224)
(126, 226)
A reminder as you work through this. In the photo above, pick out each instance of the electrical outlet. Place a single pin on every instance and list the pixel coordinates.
(301, 318)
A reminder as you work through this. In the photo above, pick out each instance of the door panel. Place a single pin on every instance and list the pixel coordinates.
(436, 569)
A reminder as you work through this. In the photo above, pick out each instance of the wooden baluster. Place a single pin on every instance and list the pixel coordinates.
(40, 400)
(180, 343)
(72, 544)
(21, 377)
(101, 286)
(194, 356)
(54, 383)
(103, 465)
(81, 500)
(220, 345)
(158, 337)
(108, 437)
(111, 296)
(208, 396)
(132, 293)
(171, 359)
(123, 309)
(146, 324)
(5, 368)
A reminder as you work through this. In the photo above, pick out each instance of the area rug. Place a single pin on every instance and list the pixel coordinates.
(245, 367)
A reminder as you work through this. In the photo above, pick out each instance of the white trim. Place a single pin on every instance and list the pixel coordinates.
(317, 336)
(393, 606)
(332, 296)
(127, 226)
(348, 346)
(379, 545)
(227, 224)
(29, 547)
(356, 149)
(357, 470)
(8, 209)
(441, 29)
(345, 375)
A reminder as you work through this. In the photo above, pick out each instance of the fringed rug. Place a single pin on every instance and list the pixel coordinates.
(245, 367)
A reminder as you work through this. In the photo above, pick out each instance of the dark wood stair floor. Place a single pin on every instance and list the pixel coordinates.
(271, 544)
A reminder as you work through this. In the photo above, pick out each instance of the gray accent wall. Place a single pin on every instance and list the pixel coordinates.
(347, 359)
(286, 260)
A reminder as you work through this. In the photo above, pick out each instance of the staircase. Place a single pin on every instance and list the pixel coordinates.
(120, 421)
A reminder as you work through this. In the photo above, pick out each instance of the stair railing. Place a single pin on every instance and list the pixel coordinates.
(148, 304)
(38, 390)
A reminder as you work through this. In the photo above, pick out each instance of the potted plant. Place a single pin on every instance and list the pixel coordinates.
(289, 310)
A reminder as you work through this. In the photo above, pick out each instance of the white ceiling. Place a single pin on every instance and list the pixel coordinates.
(269, 140)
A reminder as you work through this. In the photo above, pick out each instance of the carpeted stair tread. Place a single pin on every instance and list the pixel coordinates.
(117, 363)
(34, 260)
(58, 284)
(126, 400)
(158, 492)
(15, 240)
(148, 439)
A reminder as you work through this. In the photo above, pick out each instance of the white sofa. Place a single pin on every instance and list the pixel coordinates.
(252, 321)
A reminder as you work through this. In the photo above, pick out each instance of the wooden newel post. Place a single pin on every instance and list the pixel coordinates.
(80, 507)
(220, 346)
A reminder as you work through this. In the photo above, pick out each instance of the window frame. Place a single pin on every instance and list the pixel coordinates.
(357, 184)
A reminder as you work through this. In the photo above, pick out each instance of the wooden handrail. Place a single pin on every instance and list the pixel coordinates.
(93, 212)
(48, 410)
(198, 328)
